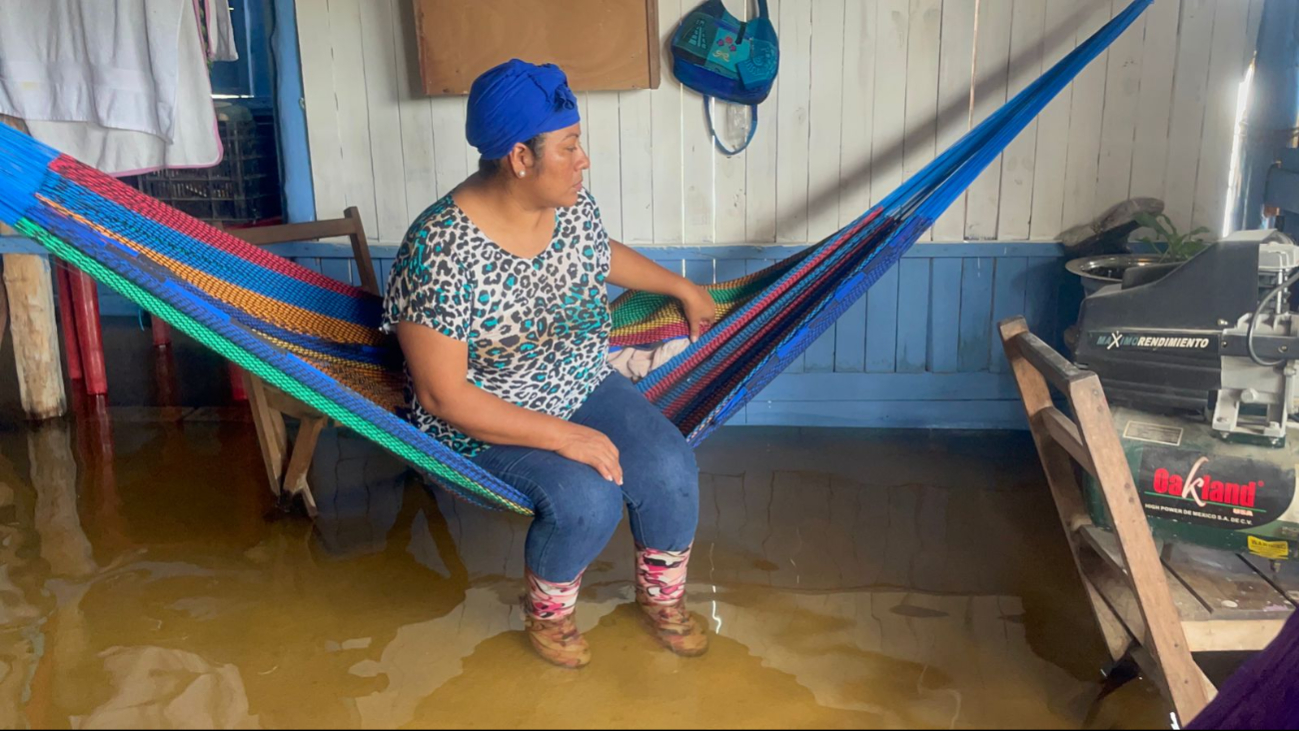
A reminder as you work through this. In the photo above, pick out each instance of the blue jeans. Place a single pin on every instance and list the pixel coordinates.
(577, 510)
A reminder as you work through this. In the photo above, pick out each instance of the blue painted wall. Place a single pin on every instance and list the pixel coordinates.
(920, 350)
(1270, 118)
(290, 117)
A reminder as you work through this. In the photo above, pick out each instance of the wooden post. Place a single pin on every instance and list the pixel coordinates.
(30, 293)
(29, 288)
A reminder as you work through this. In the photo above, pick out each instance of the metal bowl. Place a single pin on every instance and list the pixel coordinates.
(1098, 271)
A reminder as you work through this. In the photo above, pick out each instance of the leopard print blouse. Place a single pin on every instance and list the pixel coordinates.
(537, 329)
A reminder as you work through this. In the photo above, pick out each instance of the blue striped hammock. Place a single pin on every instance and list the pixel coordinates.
(317, 339)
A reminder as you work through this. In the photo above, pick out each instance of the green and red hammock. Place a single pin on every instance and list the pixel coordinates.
(318, 340)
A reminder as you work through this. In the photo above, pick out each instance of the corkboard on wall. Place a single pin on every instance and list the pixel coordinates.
(603, 45)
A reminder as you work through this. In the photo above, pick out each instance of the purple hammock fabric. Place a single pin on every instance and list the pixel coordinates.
(1264, 692)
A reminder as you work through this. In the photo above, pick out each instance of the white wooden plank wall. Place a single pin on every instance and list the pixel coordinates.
(924, 38)
(1119, 114)
(892, 20)
(991, 65)
(955, 74)
(1086, 107)
(826, 114)
(869, 92)
(1018, 162)
(858, 126)
(731, 172)
(794, 23)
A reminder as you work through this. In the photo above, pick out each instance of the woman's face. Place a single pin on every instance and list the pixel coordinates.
(555, 177)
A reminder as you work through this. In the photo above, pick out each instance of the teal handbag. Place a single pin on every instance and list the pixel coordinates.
(720, 56)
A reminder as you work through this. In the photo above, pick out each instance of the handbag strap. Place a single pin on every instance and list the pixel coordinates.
(753, 127)
(762, 10)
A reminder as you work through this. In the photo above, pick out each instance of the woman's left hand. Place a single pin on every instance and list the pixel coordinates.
(699, 308)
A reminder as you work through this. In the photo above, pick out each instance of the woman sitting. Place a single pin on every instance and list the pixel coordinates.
(498, 298)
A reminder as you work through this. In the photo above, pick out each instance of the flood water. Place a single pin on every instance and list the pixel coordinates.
(851, 578)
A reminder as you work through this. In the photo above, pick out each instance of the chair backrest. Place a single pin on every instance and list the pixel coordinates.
(350, 225)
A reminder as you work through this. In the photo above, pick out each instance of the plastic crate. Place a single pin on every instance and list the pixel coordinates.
(243, 188)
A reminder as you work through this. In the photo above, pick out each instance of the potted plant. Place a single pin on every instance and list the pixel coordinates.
(1163, 244)
(1171, 244)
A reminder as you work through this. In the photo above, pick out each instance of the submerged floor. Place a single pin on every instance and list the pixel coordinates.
(853, 579)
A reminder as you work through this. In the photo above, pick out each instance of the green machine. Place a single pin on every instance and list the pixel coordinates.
(1201, 362)
(1195, 487)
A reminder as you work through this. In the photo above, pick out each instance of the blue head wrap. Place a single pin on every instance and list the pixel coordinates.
(515, 102)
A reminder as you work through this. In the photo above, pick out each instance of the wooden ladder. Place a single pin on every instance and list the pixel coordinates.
(1133, 605)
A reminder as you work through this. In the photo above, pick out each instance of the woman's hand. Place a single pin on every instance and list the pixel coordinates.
(699, 308)
(593, 448)
(632, 270)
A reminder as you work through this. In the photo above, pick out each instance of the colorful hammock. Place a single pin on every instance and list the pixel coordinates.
(317, 339)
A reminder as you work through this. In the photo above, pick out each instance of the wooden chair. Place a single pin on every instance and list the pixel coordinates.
(287, 464)
(349, 225)
(1157, 606)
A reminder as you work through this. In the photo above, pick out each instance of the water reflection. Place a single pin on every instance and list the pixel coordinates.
(851, 579)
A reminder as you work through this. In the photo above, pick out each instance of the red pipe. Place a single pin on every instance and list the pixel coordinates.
(95, 440)
(85, 298)
(237, 391)
(68, 323)
(161, 332)
(164, 374)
